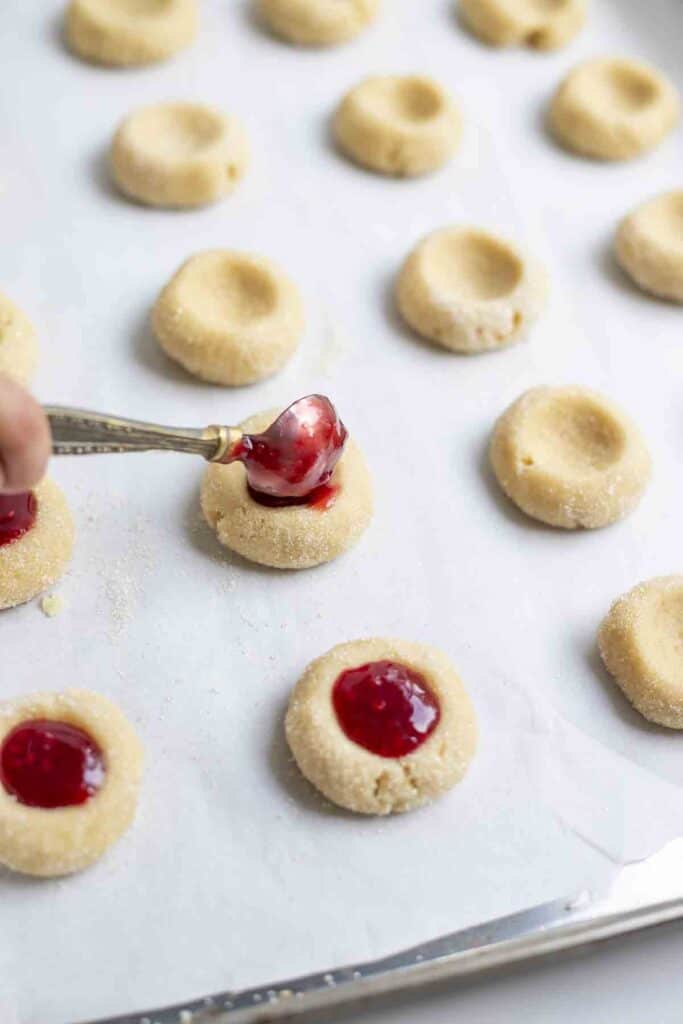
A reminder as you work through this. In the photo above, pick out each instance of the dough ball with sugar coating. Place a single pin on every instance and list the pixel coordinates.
(541, 24)
(228, 317)
(178, 155)
(130, 32)
(613, 109)
(317, 22)
(469, 291)
(640, 644)
(398, 125)
(570, 458)
(649, 246)
(18, 344)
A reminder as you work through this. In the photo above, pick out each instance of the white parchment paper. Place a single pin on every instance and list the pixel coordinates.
(236, 872)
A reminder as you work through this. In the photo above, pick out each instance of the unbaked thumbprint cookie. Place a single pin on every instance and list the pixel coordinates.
(317, 22)
(36, 541)
(570, 457)
(18, 344)
(297, 491)
(381, 726)
(70, 769)
(125, 33)
(539, 24)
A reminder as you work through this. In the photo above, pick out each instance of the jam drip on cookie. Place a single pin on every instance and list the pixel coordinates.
(17, 515)
(385, 707)
(291, 462)
(50, 764)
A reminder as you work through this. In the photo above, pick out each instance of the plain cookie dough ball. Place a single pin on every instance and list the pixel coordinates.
(130, 32)
(294, 536)
(228, 317)
(400, 125)
(178, 155)
(640, 644)
(569, 457)
(541, 24)
(317, 22)
(52, 826)
(613, 109)
(649, 246)
(469, 291)
(38, 558)
(18, 344)
(390, 695)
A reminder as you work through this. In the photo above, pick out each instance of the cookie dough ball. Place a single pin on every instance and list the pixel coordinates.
(399, 125)
(381, 726)
(60, 815)
(640, 644)
(317, 22)
(228, 317)
(569, 457)
(129, 32)
(649, 246)
(178, 155)
(293, 536)
(18, 345)
(469, 291)
(31, 561)
(613, 109)
(541, 24)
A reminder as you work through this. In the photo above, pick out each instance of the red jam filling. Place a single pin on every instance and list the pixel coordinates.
(291, 461)
(50, 764)
(321, 498)
(385, 707)
(17, 515)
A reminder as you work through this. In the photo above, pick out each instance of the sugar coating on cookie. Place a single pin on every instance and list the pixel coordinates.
(129, 32)
(18, 344)
(228, 317)
(349, 773)
(540, 24)
(178, 155)
(649, 246)
(641, 646)
(317, 22)
(570, 458)
(58, 840)
(37, 559)
(613, 109)
(290, 537)
(469, 291)
(398, 125)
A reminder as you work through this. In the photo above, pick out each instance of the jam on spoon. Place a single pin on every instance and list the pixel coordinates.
(385, 707)
(17, 515)
(50, 764)
(292, 461)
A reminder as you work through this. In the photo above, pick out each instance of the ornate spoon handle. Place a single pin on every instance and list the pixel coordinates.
(79, 432)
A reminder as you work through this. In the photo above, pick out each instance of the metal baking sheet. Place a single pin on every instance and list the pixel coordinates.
(236, 872)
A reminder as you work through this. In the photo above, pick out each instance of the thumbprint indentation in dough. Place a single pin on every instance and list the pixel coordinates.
(401, 125)
(178, 154)
(613, 109)
(577, 430)
(468, 290)
(641, 643)
(569, 457)
(649, 246)
(229, 317)
(474, 266)
(541, 24)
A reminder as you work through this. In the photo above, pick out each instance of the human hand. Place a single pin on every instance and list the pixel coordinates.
(24, 439)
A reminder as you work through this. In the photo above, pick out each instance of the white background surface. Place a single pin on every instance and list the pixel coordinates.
(236, 873)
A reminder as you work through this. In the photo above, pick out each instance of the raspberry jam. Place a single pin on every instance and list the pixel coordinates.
(50, 764)
(321, 498)
(295, 457)
(385, 707)
(17, 515)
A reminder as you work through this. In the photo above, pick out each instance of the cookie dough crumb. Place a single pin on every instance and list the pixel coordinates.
(52, 605)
